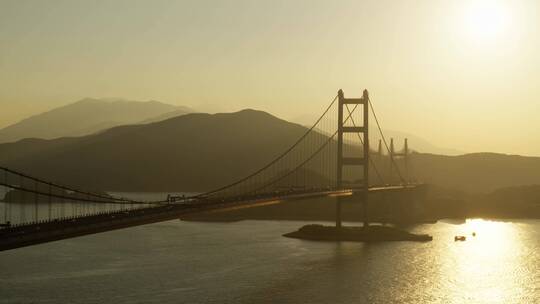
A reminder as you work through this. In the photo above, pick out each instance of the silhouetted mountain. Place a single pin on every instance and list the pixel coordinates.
(526, 194)
(198, 152)
(85, 117)
(477, 172)
(178, 112)
(193, 152)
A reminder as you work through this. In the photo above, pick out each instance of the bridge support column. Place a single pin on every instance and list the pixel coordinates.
(406, 160)
(353, 161)
(365, 97)
(338, 212)
(391, 162)
(394, 157)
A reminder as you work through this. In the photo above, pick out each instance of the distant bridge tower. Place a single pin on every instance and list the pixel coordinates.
(404, 154)
(353, 161)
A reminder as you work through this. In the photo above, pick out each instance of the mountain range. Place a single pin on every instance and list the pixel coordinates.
(198, 152)
(89, 116)
(193, 152)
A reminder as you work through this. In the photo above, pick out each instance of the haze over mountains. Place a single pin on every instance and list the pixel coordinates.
(417, 143)
(198, 152)
(194, 152)
(89, 116)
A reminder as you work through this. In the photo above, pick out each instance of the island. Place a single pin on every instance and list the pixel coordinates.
(372, 233)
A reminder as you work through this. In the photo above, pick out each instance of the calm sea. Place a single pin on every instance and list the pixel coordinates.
(250, 262)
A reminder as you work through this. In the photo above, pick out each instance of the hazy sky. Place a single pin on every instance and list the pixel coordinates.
(462, 74)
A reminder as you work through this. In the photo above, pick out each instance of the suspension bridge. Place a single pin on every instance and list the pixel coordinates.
(332, 158)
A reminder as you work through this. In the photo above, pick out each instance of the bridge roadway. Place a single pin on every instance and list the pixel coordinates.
(47, 231)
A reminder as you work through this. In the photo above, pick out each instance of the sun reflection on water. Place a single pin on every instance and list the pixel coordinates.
(492, 239)
(487, 266)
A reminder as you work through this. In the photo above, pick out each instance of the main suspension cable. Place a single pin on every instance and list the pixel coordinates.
(330, 138)
(385, 143)
(273, 161)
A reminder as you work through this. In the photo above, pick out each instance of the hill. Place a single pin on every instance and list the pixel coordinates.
(477, 172)
(179, 111)
(198, 152)
(194, 152)
(85, 117)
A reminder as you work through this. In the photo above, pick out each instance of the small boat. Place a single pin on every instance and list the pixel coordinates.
(460, 238)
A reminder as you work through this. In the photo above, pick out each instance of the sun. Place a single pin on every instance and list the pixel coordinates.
(486, 20)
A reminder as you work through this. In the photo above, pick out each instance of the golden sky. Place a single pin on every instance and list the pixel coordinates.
(462, 74)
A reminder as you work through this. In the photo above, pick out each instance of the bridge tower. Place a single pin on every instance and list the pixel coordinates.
(404, 154)
(343, 161)
(406, 160)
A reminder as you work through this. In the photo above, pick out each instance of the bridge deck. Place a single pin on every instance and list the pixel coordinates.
(37, 233)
